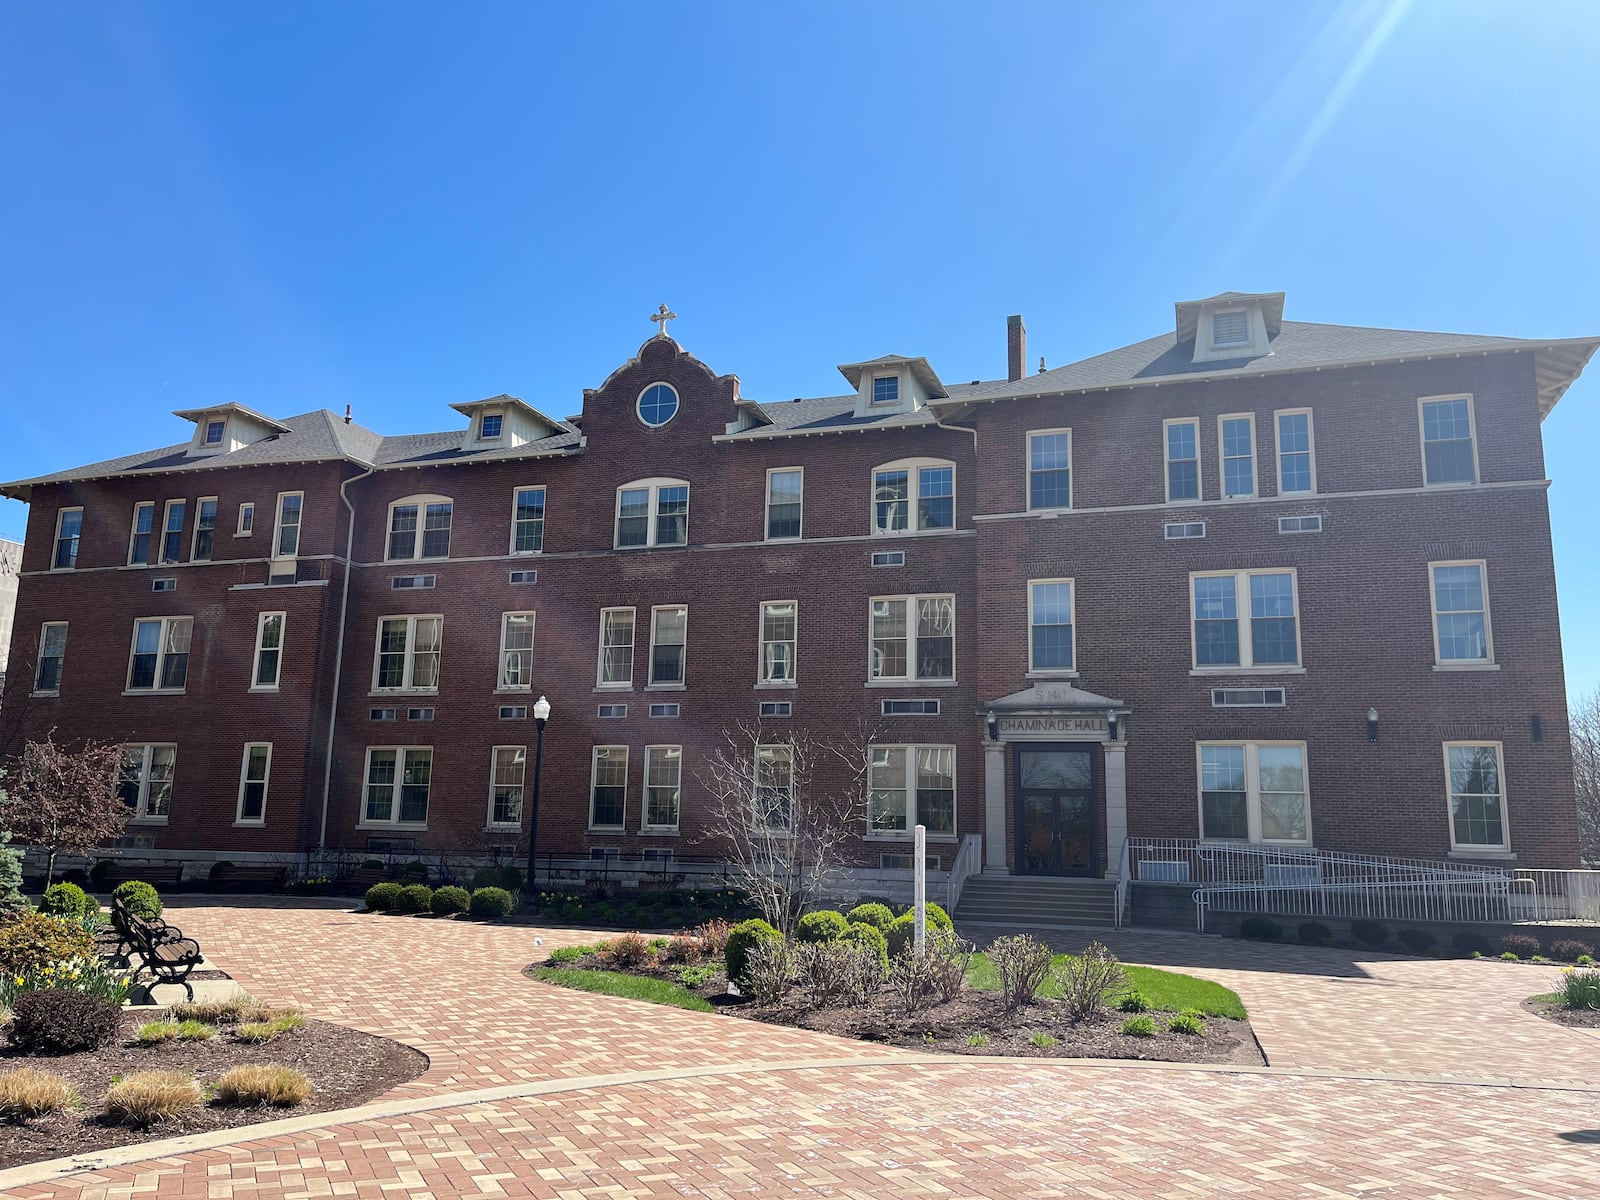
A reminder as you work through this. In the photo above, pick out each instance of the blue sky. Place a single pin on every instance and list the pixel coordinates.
(400, 206)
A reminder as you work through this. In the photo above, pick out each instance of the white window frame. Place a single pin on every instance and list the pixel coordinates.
(1034, 670)
(500, 663)
(766, 526)
(600, 680)
(206, 440)
(638, 403)
(1241, 603)
(543, 500)
(483, 427)
(1242, 343)
(278, 526)
(913, 467)
(194, 534)
(1223, 458)
(1462, 664)
(1071, 480)
(420, 502)
(489, 822)
(645, 826)
(141, 809)
(913, 813)
(773, 752)
(653, 518)
(244, 781)
(38, 665)
(1167, 460)
(594, 782)
(1252, 788)
(407, 687)
(77, 540)
(152, 547)
(912, 602)
(887, 375)
(1422, 439)
(255, 662)
(401, 757)
(1449, 799)
(245, 523)
(669, 685)
(161, 657)
(763, 678)
(167, 531)
(1311, 447)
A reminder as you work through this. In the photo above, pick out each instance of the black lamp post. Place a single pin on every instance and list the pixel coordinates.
(541, 714)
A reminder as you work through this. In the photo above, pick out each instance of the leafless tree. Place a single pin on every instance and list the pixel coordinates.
(1586, 773)
(64, 801)
(782, 810)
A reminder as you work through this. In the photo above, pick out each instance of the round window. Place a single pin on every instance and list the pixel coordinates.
(657, 404)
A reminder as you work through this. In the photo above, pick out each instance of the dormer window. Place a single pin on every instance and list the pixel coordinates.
(886, 389)
(1230, 328)
(489, 426)
(214, 432)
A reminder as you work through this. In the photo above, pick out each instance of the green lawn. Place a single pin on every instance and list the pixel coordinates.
(614, 983)
(1167, 991)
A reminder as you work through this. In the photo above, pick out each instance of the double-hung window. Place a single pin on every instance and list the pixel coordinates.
(1461, 633)
(608, 787)
(1183, 459)
(69, 532)
(144, 521)
(913, 637)
(205, 529)
(247, 520)
(527, 521)
(1236, 443)
(159, 661)
(419, 527)
(909, 786)
(1254, 792)
(1245, 619)
(172, 531)
(778, 630)
(516, 652)
(616, 648)
(1477, 795)
(913, 495)
(144, 781)
(52, 658)
(1297, 459)
(507, 769)
(774, 789)
(1050, 469)
(1050, 625)
(785, 498)
(652, 512)
(253, 774)
(398, 781)
(408, 656)
(669, 635)
(1449, 449)
(286, 537)
(269, 651)
(663, 784)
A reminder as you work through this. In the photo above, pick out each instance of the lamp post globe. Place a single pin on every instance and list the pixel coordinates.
(541, 714)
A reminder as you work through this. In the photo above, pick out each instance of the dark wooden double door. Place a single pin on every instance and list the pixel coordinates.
(1056, 804)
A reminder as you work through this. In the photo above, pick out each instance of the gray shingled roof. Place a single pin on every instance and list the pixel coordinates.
(825, 414)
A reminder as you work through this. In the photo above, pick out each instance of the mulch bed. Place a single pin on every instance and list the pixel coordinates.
(347, 1067)
(1575, 1018)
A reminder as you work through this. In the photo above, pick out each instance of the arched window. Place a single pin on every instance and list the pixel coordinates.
(914, 494)
(419, 527)
(652, 512)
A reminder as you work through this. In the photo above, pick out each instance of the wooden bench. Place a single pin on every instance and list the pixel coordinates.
(163, 951)
(112, 871)
(359, 880)
(249, 877)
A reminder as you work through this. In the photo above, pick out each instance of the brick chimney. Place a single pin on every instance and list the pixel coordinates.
(1016, 348)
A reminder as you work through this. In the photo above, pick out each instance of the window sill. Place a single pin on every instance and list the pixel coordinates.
(492, 827)
(154, 691)
(897, 533)
(648, 831)
(1304, 847)
(265, 688)
(614, 688)
(147, 820)
(404, 826)
(1453, 486)
(777, 685)
(246, 533)
(1047, 513)
(609, 830)
(1062, 674)
(514, 691)
(250, 824)
(1467, 666)
(1215, 671)
(527, 553)
(906, 837)
(666, 687)
(55, 695)
(902, 683)
(781, 540)
(379, 694)
(1487, 853)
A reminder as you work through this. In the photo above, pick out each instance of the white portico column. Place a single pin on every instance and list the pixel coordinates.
(994, 806)
(1116, 803)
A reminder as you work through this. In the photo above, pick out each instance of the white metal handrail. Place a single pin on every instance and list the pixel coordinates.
(1463, 900)
(1553, 896)
(1122, 887)
(968, 862)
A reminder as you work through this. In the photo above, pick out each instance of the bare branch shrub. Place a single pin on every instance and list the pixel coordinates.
(1024, 964)
(769, 970)
(1585, 724)
(1086, 981)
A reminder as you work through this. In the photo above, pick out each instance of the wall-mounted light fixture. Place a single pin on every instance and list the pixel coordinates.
(1111, 724)
(994, 725)
(1372, 724)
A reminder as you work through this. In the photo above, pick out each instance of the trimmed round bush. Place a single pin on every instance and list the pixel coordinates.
(876, 915)
(823, 926)
(62, 1021)
(415, 898)
(383, 897)
(938, 918)
(1370, 933)
(491, 903)
(31, 941)
(860, 933)
(1314, 933)
(1417, 941)
(139, 898)
(66, 900)
(449, 900)
(741, 939)
(1261, 929)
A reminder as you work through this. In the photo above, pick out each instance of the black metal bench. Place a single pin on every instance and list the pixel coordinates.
(162, 949)
(250, 877)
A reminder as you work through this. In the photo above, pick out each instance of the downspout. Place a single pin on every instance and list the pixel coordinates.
(961, 429)
(338, 654)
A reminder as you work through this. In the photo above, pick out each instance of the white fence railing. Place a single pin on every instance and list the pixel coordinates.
(1550, 896)
(968, 862)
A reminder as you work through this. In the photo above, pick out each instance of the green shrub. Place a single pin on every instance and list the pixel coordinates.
(139, 898)
(66, 900)
(1508, 956)
(415, 898)
(447, 901)
(1521, 944)
(1023, 962)
(870, 937)
(1580, 989)
(491, 903)
(1570, 950)
(741, 938)
(1584, 960)
(1087, 979)
(1370, 933)
(625, 952)
(1044, 1040)
(1467, 942)
(1261, 929)
(1187, 1023)
(508, 877)
(1314, 933)
(567, 954)
(1134, 1002)
(876, 915)
(1418, 941)
(383, 897)
(1141, 1027)
(30, 942)
(695, 978)
(902, 929)
(60, 1021)
(823, 926)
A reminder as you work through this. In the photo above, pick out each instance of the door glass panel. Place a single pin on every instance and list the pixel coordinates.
(1077, 827)
(1038, 834)
(1052, 770)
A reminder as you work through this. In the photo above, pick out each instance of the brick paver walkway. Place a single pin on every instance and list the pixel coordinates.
(742, 1114)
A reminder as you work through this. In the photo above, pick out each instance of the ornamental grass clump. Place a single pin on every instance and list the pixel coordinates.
(213, 1012)
(148, 1096)
(263, 1084)
(28, 1092)
(1023, 963)
(1189, 1024)
(155, 1033)
(1134, 1002)
(1139, 1027)
(195, 1031)
(1579, 988)
(1086, 981)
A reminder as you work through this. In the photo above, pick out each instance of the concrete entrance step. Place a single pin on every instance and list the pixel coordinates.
(1037, 900)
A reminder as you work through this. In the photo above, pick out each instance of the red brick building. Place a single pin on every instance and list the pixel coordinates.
(1249, 580)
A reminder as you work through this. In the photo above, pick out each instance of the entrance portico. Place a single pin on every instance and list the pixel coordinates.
(1057, 745)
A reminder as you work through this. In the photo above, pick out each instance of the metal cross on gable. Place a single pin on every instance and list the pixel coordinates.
(661, 317)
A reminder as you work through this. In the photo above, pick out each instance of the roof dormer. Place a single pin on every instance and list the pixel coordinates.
(503, 423)
(225, 427)
(1232, 325)
(892, 384)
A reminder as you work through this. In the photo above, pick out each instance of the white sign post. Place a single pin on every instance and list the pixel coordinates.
(919, 876)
